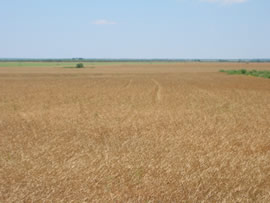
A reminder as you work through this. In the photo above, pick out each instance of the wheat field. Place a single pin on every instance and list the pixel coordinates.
(180, 132)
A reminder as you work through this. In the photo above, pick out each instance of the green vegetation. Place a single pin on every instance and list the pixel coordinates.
(79, 65)
(108, 62)
(263, 74)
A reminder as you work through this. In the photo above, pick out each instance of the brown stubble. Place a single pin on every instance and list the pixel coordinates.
(170, 133)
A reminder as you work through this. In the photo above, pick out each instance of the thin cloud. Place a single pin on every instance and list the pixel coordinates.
(226, 1)
(103, 22)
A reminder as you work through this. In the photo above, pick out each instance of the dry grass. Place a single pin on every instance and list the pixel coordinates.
(152, 133)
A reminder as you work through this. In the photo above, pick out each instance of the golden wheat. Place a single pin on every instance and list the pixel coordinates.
(134, 133)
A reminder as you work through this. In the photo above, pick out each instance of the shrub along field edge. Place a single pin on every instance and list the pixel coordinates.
(263, 74)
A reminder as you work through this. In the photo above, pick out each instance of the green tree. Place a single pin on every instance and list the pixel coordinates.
(79, 65)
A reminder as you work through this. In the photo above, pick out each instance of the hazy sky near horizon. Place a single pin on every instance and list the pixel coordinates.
(135, 29)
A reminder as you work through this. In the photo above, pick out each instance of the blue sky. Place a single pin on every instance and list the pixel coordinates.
(135, 29)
